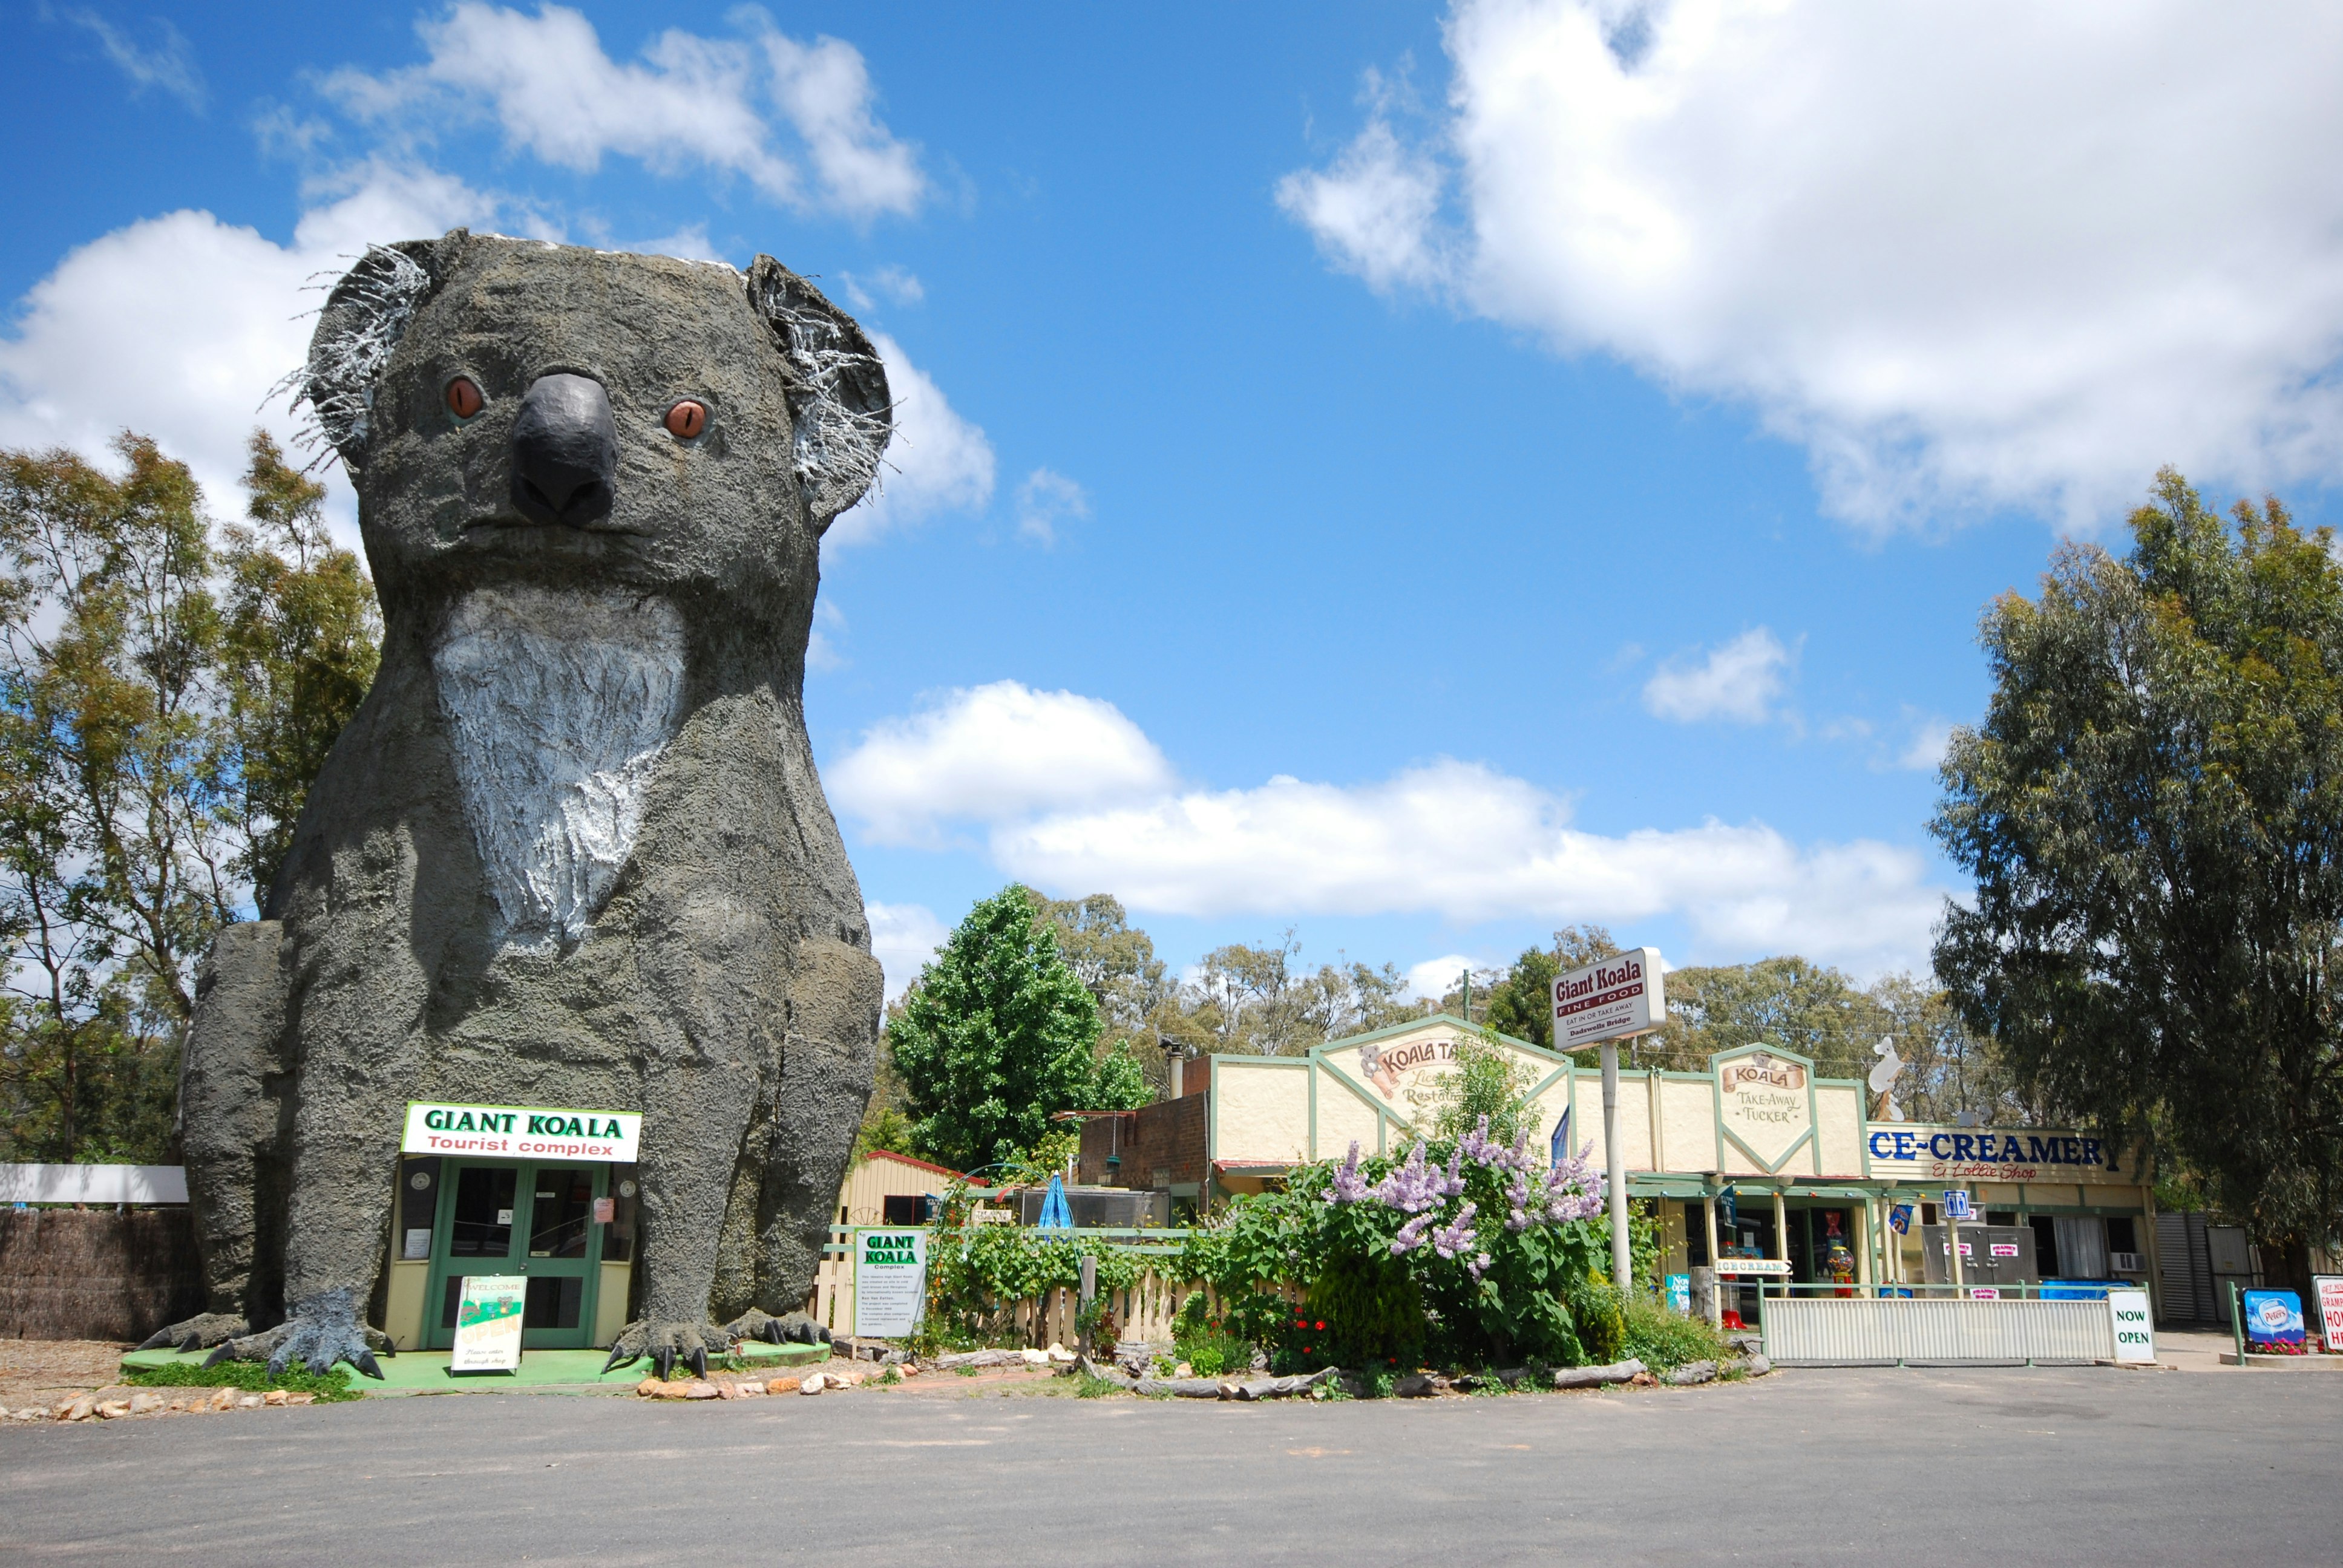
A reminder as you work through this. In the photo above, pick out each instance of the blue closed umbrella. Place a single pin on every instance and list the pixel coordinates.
(1559, 1150)
(1055, 1215)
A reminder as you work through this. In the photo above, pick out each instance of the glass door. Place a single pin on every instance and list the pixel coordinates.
(561, 1257)
(540, 1221)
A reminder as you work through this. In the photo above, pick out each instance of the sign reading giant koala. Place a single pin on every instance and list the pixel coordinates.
(572, 849)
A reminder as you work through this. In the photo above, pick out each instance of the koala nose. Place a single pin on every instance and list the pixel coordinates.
(565, 451)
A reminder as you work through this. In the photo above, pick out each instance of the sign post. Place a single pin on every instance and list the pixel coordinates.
(2328, 1291)
(1605, 1003)
(1957, 1208)
(488, 1315)
(890, 1282)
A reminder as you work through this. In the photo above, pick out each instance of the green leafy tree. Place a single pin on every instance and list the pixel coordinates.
(160, 700)
(1489, 1084)
(1521, 1000)
(300, 639)
(2153, 811)
(998, 1033)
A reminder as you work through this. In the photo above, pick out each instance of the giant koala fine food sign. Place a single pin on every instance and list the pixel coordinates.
(572, 849)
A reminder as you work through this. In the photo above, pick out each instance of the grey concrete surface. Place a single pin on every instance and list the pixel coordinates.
(2065, 1467)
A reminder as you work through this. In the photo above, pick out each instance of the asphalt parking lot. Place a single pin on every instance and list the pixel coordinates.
(2070, 1466)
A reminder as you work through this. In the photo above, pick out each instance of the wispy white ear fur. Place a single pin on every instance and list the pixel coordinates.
(839, 398)
(363, 320)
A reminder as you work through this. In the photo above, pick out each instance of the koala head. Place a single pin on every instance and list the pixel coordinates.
(515, 411)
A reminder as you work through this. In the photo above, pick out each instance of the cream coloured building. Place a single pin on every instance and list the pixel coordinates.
(1756, 1158)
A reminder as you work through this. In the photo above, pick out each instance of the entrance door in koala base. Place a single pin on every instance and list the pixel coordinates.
(567, 1226)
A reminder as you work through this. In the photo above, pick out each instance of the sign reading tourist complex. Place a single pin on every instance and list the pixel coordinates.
(890, 1282)
(520, 1131)
(488, 1322)
(1610, 999)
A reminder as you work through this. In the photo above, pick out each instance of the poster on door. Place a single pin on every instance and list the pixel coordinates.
(488, 1322)
(890, 1282)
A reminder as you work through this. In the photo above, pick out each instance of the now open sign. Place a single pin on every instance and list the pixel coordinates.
(2135, 1332)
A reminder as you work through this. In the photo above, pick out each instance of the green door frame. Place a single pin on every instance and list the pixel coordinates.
(588, 1268)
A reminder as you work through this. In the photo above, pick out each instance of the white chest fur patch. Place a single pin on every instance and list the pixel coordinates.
(558, 706)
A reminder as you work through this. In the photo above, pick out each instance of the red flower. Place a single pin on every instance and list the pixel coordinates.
(1321, 1326)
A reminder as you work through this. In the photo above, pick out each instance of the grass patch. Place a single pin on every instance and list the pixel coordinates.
(1094, 1387)
(331, 1387)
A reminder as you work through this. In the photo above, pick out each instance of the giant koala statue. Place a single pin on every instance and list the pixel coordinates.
(572, 849)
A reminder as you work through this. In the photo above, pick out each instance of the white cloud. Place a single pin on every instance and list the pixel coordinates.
(1968, 256)
(904, 937)
(687, 101)
(169, 65)
(988, 752)
(1433, 977)
(690, 243)
(1072, 795)
(1926, 750)
(1044, 500)
(1738, 681)
(821, 650)
(1373, 211)
(177, 326)
(864, 290)
(936, 461)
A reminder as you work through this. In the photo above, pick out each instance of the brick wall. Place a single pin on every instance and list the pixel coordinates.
(1167, 1136)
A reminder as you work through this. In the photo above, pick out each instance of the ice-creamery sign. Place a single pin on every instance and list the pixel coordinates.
(520, 1131)
(1766, 1101)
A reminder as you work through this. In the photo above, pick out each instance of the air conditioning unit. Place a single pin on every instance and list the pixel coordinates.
(2127, 1263)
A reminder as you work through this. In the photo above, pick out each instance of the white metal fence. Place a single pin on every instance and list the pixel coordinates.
(1896, 1330)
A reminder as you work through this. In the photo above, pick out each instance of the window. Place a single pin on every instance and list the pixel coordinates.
(2121, 1235)
(1696, 1236)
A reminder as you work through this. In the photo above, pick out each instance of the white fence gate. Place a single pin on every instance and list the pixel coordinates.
(1897, 1331)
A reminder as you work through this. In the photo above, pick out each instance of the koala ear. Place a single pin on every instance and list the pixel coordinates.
(837, 393)
(363, 317)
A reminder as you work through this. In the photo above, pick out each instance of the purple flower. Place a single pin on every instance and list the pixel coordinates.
(1455, 1181)
(1348, 1187)
(1411, 1235)
(1479, 1265)
(1457, 1235)
(1411, 1189)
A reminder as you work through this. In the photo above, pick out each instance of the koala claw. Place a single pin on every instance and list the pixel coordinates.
(797, 1328)
(665, 1343)
(201, 1331)
(323, 1330)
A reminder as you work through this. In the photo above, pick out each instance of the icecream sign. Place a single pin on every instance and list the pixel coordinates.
(1611, 1000)
(520, 1131)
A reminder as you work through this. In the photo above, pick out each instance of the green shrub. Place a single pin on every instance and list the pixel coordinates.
(1664, 1340)
(250, 1376)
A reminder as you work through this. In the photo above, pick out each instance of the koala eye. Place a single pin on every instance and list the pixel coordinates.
(464, 399)
(687, 419)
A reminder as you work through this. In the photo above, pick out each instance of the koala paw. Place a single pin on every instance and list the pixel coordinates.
(798, 1328)
(200, 1332)
(666, 1343)
(323, 1330)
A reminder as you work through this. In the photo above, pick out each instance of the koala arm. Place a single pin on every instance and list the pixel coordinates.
(234, 1153)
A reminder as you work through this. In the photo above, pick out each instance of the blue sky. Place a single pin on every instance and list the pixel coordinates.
(1419, 477)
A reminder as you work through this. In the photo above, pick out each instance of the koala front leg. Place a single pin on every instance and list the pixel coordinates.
(686, 1175)
(231, 1132)
(359, 1037)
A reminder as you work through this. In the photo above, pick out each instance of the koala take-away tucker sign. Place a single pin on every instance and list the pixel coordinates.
(1609, 1000)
